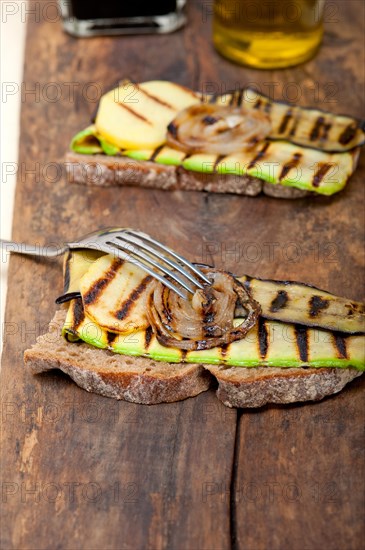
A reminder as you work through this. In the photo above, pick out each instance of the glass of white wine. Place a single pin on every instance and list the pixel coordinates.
(268, 34)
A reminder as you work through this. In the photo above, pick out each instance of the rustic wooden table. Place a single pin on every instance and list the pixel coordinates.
(83, 471)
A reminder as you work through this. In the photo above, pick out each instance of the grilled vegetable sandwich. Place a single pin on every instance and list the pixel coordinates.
(123, 334)
(162, 135)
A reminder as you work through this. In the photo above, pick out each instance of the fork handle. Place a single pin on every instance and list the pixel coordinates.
(49, 251)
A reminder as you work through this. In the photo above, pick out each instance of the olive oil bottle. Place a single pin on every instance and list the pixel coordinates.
(268, 34)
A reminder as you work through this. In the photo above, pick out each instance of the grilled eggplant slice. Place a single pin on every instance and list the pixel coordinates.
(75, 265)
(289, 301)
(300, 125)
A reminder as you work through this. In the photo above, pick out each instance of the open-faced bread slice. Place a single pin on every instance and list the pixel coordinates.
(162, 135)
(142, 380)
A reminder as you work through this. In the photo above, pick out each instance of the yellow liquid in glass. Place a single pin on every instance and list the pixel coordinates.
(268, 34)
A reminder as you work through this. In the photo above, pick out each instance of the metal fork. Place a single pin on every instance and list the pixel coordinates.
(136, 247)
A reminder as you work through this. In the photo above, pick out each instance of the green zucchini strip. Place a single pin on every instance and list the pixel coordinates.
(269, 344)
(89, 142)
(272, 161)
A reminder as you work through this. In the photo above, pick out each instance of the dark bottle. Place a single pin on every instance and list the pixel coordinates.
(94, 17)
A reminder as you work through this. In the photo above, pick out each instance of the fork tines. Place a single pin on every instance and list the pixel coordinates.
(142, 249)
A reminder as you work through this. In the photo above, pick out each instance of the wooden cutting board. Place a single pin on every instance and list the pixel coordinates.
(83, 471)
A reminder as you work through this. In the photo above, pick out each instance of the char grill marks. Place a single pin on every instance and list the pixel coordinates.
(111, 336)
(127, 305)
(301, 125)
(148, 337)
(263, 338)
(355, 308)
(77, 318)
(156, 152)
(78, 312)
(99, 286)
(115, 293)
(135, 114)
(280, 301)
(320, 173)
(236, 98)
(320, 129)
(301, 334)
(340, 343)
(285, 121)
(156, 99)
(348, 134)
(260, 155)
(217, 129)
(290, 165)
(67, 297)
(293, 302)
(209, 120)
(317, 305)
(264, 334)
(217, 161)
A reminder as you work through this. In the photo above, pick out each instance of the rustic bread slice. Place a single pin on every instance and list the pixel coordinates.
(96, 370)
(254, 387)
(107, 171)
(142, 380)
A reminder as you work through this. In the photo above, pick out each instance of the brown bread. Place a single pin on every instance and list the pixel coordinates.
(141, 380)
(107, 171)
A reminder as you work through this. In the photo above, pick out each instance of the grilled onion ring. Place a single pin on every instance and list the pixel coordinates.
(216, 129)
(205, 321)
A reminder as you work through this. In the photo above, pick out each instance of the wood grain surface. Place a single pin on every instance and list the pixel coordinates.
(80, 471)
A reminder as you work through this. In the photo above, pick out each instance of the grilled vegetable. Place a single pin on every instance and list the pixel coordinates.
(90, 142)
(135, 116)
(75, 265)
(300, 125)
(208, 319)
(306, 149)
(218, 130)
(284, 163)
(272, 161)
(270, 343)
(119, 297)
(300, 303)
(108, 285)
(114, 294)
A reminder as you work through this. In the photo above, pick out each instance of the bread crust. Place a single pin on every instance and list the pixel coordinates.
(107, 171)
(277, 385)
(134, 379)
(142, 380)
